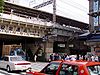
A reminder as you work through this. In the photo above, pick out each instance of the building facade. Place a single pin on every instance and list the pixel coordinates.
(36, 33)
(94, 26)
(94, 15)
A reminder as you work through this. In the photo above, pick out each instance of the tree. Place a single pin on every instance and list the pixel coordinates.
(1, 6)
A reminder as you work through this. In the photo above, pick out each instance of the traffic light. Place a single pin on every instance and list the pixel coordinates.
(1, 6)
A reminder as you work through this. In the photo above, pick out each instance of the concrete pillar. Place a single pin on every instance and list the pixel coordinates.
(67, 48)
(49, 49)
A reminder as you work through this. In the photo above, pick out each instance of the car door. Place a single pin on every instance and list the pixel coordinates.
(2, 63)
(68, 69)
(5, 62)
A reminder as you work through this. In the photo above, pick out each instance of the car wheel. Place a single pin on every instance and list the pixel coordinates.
(8, 69)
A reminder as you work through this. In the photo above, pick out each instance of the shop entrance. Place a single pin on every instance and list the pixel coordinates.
(59, 47)
(25, 42)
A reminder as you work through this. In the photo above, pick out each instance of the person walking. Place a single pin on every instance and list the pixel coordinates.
(35, 58)
(51, 57)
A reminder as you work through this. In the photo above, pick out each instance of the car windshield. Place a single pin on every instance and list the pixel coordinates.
(51, 68)
(94, 70)
(16, 58)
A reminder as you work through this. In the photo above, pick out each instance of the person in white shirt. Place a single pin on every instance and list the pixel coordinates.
(92, 58)
(35, 58)
(67, 57)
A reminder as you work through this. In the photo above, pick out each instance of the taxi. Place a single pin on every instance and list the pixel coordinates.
(77, 67)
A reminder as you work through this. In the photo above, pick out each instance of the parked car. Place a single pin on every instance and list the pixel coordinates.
(69, 68)
(13, 63)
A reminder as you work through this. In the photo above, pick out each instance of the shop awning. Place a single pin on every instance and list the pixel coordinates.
(84, 36)
(90, 37)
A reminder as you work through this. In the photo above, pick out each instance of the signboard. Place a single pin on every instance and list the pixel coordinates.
(61, 45)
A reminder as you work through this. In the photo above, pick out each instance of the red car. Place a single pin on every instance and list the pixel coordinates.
(69, 68)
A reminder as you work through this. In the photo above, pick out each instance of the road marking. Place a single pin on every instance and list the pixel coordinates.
(3, 72)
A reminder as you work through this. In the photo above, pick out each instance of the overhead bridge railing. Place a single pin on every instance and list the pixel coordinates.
(68, 28)
(26, 19)
(35, 21)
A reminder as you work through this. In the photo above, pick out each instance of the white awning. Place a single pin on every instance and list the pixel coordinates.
(85, 34)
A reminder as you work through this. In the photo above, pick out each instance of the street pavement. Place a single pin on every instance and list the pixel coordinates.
(36, 66)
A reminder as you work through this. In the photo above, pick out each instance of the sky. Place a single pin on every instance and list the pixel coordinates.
(73, 9)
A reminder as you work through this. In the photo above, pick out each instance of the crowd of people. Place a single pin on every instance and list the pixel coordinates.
(57, 56)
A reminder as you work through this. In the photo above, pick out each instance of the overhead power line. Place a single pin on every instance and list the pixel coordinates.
(70, 11)
(53, 2)
(75, 5)
(65, 13)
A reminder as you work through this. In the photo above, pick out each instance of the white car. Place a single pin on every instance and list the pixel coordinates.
(14, 63)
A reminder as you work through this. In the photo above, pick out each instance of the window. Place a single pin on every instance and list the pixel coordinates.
(6, 59)
(94, 70)
(25, 30)
(51, 69)
(16, 58)
(11, 28)
(96, 5)
(18, 29)
(67, 69)
(99, 20)
(2, 27)
(96, 21)
(99, 5)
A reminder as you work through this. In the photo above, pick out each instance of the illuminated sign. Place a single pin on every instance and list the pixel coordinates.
(61, 45)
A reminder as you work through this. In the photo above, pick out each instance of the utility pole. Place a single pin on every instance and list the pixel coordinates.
(54, 11)
(53, 2)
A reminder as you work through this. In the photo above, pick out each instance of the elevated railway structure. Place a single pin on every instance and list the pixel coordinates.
(34, 29)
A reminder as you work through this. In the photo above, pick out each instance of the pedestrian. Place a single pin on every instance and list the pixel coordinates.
(35, 58)
(67, 57)
(96, 58)
(99, 58)
(12, 52)
(56, 56)
(51, 57)
(92, 58)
